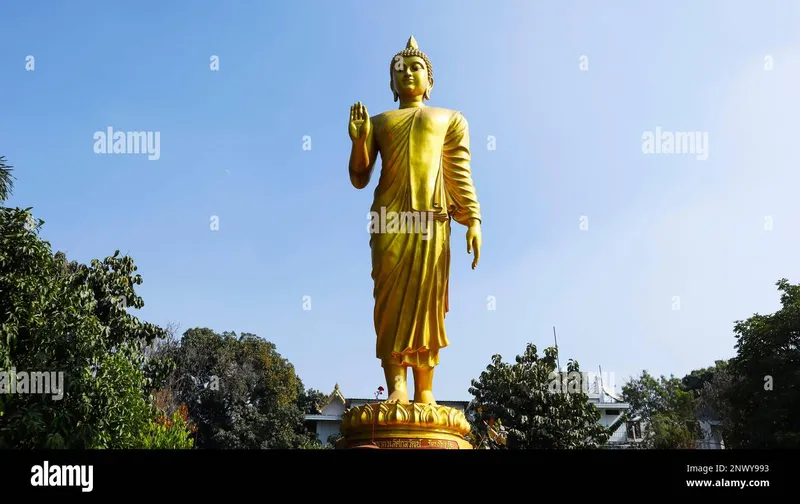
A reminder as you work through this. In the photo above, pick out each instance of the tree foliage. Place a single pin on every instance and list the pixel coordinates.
(531, 405)
(169, 433)
(128, 383)
(754, 395)
(696, 380)
(64, 317)
(311, 401)
(239, 390)
(757, 396)
(6, 179)
(667, 411)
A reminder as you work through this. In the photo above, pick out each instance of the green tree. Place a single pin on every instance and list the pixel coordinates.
(695, 381)
(6, 179)
(666, 409)
(240, 391)
(311, 401)
(758, 397)
(707, 385)
(333, 439)
(169, 432)
(64, 317)
(531, 405)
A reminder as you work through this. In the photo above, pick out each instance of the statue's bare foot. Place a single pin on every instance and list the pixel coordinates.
(424, 397)
(398, 396)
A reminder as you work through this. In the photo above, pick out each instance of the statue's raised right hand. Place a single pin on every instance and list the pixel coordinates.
(360, 124)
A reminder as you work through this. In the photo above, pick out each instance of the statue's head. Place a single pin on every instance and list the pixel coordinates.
(411, 72)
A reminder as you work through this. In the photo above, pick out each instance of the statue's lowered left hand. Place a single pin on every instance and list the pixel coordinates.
(474, 240)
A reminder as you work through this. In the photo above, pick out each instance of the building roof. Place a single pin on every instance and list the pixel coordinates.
(336, 395)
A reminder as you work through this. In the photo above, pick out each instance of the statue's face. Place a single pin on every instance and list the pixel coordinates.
(410, 76)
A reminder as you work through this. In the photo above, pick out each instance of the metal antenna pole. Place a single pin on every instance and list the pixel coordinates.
(558, 361)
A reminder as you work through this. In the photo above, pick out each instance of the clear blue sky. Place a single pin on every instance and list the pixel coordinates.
(568, 144)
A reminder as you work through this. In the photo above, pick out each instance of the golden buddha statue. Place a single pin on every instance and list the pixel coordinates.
(425, 172)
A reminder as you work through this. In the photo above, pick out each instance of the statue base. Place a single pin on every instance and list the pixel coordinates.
(404, 426)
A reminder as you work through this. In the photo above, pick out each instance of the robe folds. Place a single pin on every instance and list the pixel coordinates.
(425, 173)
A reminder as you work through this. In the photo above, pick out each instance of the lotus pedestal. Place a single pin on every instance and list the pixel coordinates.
(404, 426)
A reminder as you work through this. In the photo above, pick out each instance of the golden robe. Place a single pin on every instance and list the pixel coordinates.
(425, 169)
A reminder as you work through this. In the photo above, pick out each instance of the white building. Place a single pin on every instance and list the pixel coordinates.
(611, 409)
(712, 435)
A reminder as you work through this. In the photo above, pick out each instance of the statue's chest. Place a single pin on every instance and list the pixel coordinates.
(423, 128)
(433, 126)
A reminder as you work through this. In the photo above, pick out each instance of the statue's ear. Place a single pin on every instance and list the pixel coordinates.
(427, 94)
(391, 86)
